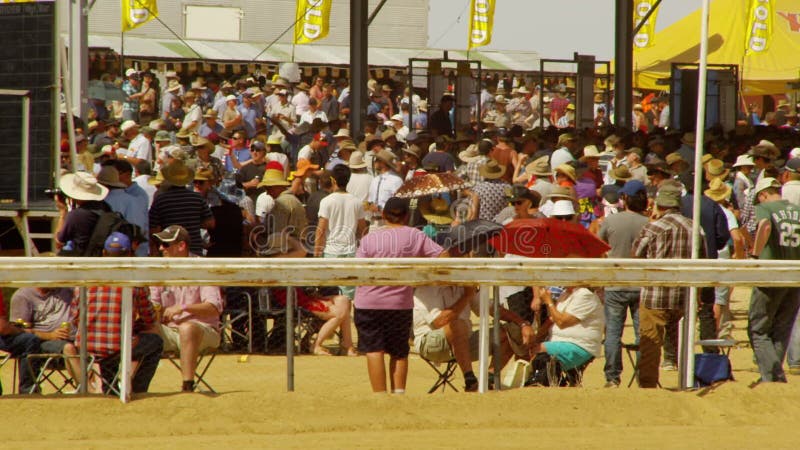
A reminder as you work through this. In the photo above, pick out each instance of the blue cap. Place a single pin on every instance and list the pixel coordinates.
(117, 243)
(632, 187)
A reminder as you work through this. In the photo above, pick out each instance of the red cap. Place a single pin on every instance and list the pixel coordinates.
(321, 138)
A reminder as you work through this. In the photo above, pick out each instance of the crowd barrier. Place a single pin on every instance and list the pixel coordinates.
(485, 272)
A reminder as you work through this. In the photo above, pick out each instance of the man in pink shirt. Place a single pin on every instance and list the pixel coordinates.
(190, 314)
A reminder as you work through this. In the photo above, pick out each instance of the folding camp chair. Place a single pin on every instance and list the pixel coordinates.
(237, 320)
(5, 358)
(559, 378)
(306, 324)
(53, 371)
(444, 376)
(201, 369)
(633, 356)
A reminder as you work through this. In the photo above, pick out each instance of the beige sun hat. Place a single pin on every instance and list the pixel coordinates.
(540, 167)
(590, 151)
(621, 173)
(716, 169)
(273, 177)
(470, 154)
(357, 160)
(82, 186)
(567, 170)
(718, 190)
(109, 177)
(492, 170)
(177, 173)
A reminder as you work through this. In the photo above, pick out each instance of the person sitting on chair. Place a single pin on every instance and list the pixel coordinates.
(442, 326)
(190, 314)
(47, 312)
(575, 324)
(333, 309)
(104, 313)
(19, 344)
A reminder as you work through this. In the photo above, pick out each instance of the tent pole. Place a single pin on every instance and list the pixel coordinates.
(691, 313)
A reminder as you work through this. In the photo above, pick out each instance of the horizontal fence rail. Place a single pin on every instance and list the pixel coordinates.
(53, 272)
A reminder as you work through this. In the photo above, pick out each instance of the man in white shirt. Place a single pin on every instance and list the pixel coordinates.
(567, 144)
(360, 180)
(313, 112)
(139, 148)
(790, 191)
(386, 183)
(194, 114)
(342, 221)
(300, 98)
(307, 152)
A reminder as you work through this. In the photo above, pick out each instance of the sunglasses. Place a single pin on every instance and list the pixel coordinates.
(238, 137)
(516, 202)
(198, 182)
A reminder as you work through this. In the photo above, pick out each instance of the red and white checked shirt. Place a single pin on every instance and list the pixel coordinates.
(105, 318)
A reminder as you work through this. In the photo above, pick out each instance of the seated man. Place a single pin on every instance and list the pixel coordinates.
(575, 324)
(105, 313)
(442, 326)
(20, 344)
(47, 312)
(190, 314)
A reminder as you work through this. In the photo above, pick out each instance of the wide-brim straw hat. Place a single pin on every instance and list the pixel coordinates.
(492, 170)
(177, 173)
(470, 154)
(273, 177)
(357, 160)
(718, 190)
(567, 170)
(436, 212)
(716, 169)
(540, 167)
(82, 186)
(620, 173)
(109, 177)
(590, 151)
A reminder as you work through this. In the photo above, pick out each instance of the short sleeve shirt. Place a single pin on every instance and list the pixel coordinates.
(392, 242)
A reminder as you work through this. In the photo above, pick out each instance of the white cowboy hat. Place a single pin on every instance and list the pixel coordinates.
(82, 186)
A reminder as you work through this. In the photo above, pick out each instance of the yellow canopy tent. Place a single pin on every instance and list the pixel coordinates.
(765, 73)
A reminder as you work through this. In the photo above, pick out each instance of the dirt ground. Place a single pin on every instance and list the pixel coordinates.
(333, 407)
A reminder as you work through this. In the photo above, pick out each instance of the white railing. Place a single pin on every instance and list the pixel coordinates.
(132, 272)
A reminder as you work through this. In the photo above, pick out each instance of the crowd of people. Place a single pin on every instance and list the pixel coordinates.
(269, 168)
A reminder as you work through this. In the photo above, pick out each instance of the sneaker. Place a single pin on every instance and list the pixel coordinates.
(612, 384)
(669, 366)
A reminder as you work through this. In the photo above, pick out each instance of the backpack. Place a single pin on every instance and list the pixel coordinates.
(107, 223)
(710, 368)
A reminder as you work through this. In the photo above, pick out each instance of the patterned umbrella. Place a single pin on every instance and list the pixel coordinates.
(548, 238)
(431, 183)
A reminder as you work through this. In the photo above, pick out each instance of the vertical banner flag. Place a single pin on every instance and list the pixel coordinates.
(137, 12)
(646, 35)
(313, 20)
(759, 26)
(481, 22)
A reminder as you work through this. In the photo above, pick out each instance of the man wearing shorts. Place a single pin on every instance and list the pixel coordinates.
(190, 314)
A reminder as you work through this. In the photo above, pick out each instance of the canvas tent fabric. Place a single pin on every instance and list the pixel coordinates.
(333, 55)
(766, 73)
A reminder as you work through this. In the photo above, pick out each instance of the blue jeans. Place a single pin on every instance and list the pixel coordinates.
(769, 325)
(20, 346)
(616, 308)
(793, 354)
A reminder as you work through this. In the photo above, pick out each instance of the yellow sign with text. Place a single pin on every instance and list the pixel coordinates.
(481, 22)
(137, 12)
(645, 37)
(313, 20)
(759, 26)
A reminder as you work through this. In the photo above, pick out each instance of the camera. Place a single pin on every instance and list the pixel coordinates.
(54, 192)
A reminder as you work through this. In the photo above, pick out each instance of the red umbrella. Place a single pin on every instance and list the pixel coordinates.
(548, 238)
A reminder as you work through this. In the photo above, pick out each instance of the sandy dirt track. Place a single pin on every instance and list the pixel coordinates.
(333, 408)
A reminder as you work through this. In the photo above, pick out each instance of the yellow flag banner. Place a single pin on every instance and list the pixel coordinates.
(759, 26)
(313, 20)
(137, 12)
(646, 35)
(481, 22)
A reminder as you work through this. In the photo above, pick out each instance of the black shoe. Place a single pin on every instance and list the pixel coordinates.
(470, 383)
(188, 386)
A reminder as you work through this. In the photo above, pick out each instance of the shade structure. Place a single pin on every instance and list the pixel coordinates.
(548, 238)
(764, 73)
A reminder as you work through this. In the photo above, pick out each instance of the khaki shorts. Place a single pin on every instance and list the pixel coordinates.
(172, 340)
(435, 348)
